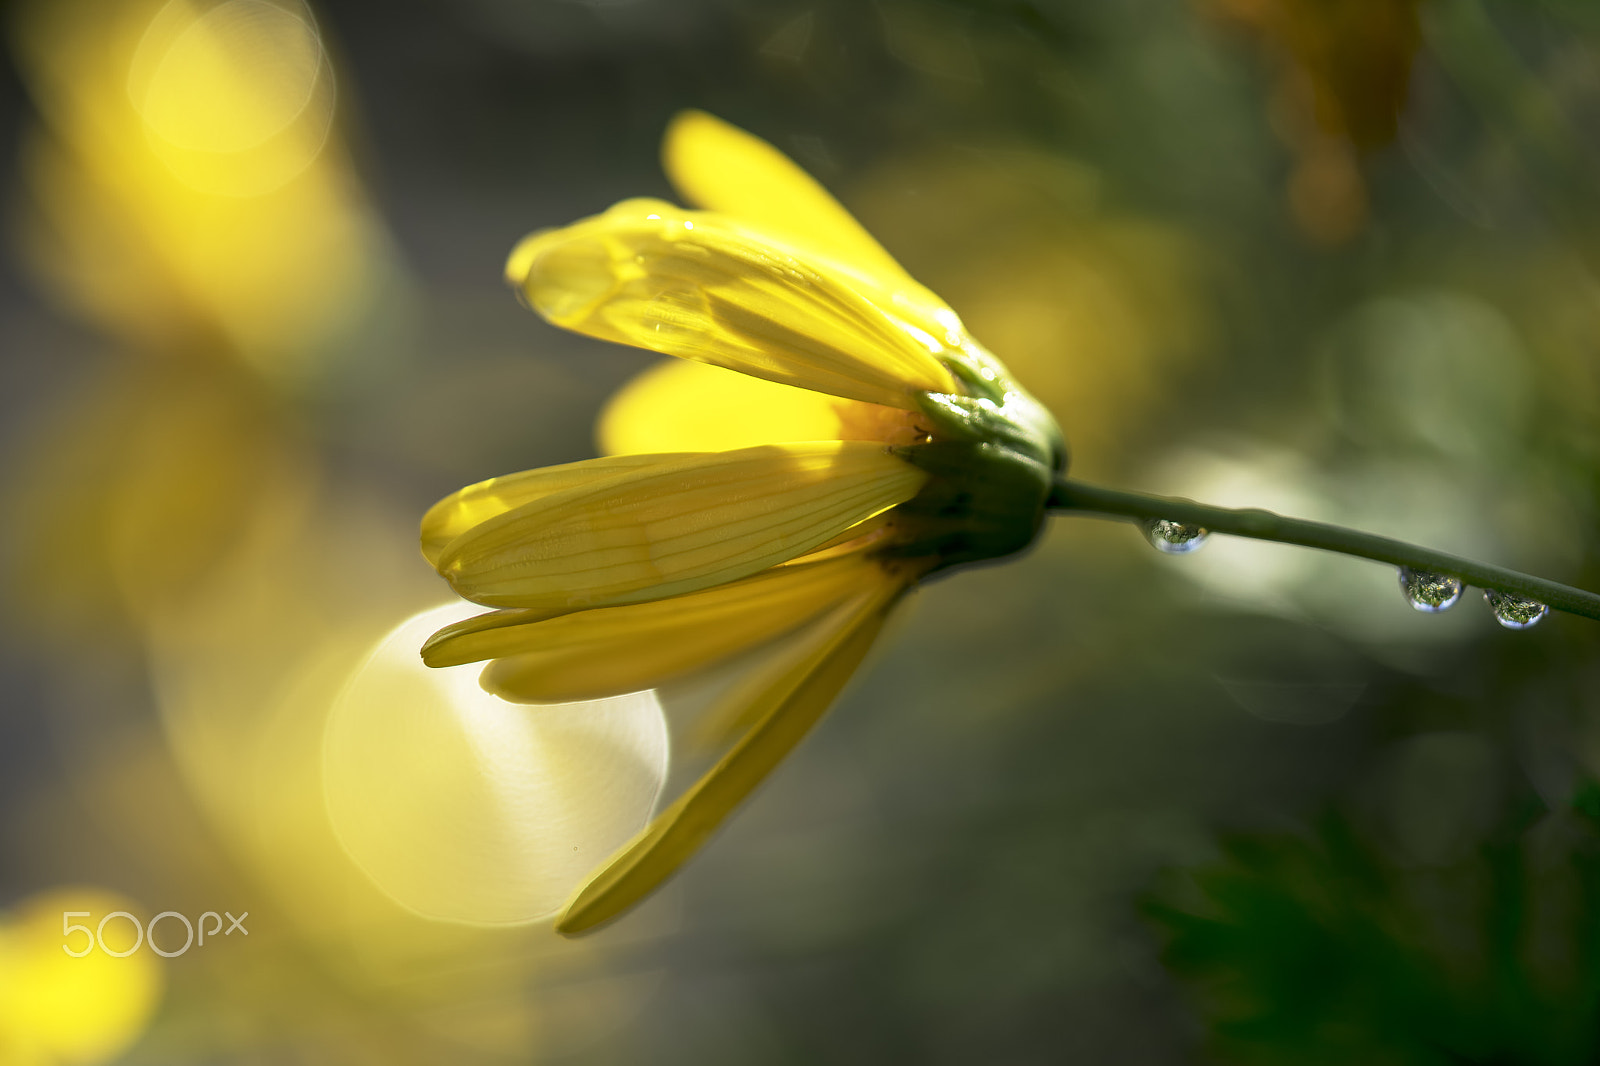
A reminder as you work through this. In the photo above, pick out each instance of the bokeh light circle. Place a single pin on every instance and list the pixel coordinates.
(236, 98)
(462, 806)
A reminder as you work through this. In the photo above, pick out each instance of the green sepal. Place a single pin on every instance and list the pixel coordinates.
(979, 420)
(994, 408)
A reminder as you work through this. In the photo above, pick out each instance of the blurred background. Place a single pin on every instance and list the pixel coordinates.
(1095, 805)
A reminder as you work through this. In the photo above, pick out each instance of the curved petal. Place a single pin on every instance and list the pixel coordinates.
(789, 588)
(722, 168)
(484, 636)
(514, 631)
(465, 508)
(677, 527)
(700, 286)
(787, 703)
(613, 650)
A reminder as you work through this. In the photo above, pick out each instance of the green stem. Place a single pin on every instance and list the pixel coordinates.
(1076, 497)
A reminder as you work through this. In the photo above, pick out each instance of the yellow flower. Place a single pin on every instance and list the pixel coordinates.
(866, 441)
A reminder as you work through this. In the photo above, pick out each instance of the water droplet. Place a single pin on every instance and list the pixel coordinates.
(1174, 538)
(1429, 592)
(1514, 612)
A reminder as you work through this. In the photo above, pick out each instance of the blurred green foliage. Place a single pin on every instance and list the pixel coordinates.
(1317, 948)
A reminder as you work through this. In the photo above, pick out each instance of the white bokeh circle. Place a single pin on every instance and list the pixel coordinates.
(464, 807)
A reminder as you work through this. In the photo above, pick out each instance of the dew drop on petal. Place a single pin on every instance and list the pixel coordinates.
(1514, 612)
(1428, 591)
(1173, 538)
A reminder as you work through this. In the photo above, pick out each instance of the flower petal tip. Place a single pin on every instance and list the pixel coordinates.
(573, 926)
(520, 262)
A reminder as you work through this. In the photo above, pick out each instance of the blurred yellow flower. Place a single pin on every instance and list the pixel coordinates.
(73, 998)
(865, 441)
(189, 190)
(184, 192)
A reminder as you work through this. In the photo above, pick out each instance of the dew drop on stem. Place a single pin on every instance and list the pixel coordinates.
(1514, 612)
(1173, 538)
(1429, 592)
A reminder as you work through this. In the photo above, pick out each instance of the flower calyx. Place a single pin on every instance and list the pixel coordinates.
(993, 454)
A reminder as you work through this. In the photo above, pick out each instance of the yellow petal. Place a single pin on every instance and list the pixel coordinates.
(614, 650)
(795, 590)
(461, 510)
(700, 286)
(484, 636)
(722, 168)
(856, 538)
(515, 631)
(788, 703)
(679, 406)
(676, 527)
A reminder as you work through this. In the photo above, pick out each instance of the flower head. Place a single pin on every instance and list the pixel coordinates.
(869, 442)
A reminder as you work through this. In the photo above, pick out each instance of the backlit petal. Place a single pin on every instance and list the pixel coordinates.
(677, 527)
(790, 588)
(461, 510)
(514, 631)
(787, 704)
(722, 168)
(681, 406)
(483, 636)
(613, 650)
(701, 286)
